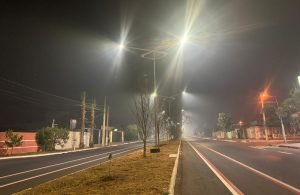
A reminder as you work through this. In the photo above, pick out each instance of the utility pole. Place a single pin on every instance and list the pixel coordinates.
(107, 126)
(262, 96)
(103, 124)
(122, 136)
(91, 142)
(155, 99)
(53, 123)
(83, 111)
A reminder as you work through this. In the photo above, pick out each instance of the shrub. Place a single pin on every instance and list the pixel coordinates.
(47, 138)
(14, 140)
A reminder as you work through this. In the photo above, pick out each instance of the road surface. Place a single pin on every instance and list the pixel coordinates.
(217, 167)
(23, 173)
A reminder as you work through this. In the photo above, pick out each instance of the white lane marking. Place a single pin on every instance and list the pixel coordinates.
(36, 176)
(258, 147)
(59, 164)
(231, 187)
(228, 140)
(292, 188)
(214, 139)
(174, 172)
(284, 152)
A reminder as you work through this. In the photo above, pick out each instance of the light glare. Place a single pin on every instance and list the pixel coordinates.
(183, 40)
(121, 46)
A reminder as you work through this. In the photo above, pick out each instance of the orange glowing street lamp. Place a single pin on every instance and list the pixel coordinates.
(263, 96)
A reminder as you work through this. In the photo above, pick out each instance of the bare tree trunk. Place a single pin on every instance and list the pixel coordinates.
(145, 149)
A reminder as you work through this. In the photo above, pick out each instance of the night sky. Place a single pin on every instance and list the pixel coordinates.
(235, 49)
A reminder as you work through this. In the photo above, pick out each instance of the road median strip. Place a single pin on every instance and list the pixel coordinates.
(130, 174)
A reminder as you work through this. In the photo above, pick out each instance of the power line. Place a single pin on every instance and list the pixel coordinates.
(40, 92)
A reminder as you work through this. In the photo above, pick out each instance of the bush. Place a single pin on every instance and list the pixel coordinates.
(14, 140)
(47, 138)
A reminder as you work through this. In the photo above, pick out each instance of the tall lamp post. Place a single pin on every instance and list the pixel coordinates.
(155, 54)
(151, 54)
(263, 97)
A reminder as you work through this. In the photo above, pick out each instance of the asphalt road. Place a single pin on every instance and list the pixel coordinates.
(23, 173)
(217, 167)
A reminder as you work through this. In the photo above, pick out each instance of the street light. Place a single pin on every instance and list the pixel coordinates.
(121, 46)
(183, 40)
(265, 95)
(154, 94)
(151, 54)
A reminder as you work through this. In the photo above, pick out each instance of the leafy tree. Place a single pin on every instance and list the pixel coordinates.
(14, 140)
(272, 118)
(289, 108)
(49, 137)
(225, 122)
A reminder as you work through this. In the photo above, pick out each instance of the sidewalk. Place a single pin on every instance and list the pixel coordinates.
(292, 145)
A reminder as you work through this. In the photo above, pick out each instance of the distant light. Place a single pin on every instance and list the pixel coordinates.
(183, 92)
(115, 129)
(154, 94)
(264, 95)
(121, 46)
(182, 110)
(178, 123)
(183, 40)
(240, 123)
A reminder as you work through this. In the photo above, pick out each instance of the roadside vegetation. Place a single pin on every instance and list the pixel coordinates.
(13, 140)
(47, 138)
(130, 174)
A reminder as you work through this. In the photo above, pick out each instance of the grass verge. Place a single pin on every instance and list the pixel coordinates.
(130, 174)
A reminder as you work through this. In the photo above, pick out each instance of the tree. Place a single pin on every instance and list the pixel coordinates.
(143, 117)
(14, 140)
(49, 137)
(289, 110)
(131, 132)
(225, 122)
(272, 118)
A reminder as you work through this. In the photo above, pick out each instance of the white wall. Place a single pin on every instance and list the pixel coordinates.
(74, 139)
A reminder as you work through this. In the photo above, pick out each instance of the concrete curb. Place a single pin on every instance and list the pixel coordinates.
(174, 172)
(62, 152)
(293, 147)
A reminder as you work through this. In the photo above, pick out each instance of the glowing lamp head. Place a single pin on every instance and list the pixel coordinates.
(183, 40)
(121, 46)
(154, 94)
